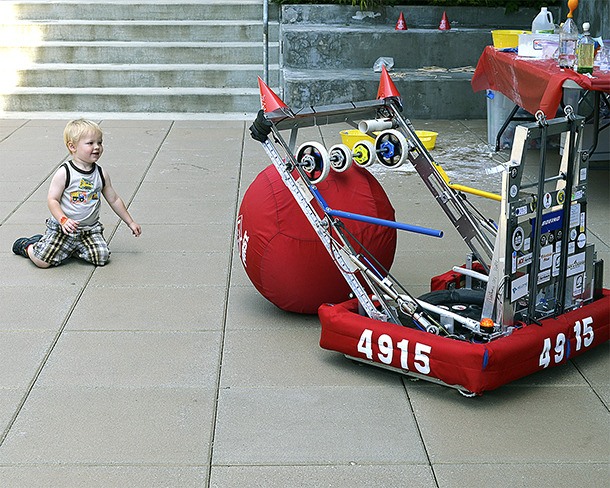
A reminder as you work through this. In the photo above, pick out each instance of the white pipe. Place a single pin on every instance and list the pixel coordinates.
(368, 126)
(471, 273)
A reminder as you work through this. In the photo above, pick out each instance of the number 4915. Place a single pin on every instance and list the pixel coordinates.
(584, 334)
(420, 359)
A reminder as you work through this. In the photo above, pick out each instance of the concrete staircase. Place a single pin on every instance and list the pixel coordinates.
(140, 58)
(329, 53)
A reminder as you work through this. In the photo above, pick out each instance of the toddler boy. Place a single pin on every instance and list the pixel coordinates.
(74, 228)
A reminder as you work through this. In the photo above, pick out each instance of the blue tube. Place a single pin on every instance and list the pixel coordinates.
(374, 220)
(386, 223)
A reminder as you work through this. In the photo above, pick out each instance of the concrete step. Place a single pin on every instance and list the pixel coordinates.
(137, 100)
(144, 75)
(426, 94)
(137, 30)
(416, 17)
(315, 46)
(135, 10)
(126, 52)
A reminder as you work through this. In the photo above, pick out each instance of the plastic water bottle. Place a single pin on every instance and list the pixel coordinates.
(543, 22)
(567, 43)
(585, 51)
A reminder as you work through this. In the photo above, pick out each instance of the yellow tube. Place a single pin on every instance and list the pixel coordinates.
(465, 189)
(474, 191)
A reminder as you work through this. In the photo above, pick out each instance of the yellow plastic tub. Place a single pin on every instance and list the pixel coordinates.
(351, 136)
(428, 138)
(506, 38)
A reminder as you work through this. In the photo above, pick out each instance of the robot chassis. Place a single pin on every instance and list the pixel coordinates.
(532, 265)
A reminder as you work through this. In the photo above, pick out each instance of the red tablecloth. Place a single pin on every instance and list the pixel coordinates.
(534, 84)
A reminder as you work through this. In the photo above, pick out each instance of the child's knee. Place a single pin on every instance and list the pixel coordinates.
(98, 258)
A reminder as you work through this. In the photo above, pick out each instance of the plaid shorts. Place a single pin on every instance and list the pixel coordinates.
(55, 246)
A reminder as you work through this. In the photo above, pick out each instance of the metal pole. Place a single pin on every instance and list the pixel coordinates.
(266, 41)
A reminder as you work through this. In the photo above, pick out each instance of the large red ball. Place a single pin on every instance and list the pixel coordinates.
(282, 254)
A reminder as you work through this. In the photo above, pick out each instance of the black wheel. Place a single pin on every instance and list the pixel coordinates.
(461, 301)
(313, 158)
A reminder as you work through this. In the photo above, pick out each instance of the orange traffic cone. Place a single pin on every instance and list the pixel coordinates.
(387, 88)
(444, 25)
(270, 102)
(400, 23)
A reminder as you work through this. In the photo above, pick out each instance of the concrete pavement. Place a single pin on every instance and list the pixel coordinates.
(166, 368)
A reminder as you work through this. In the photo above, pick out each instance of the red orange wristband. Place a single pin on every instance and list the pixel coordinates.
(63, 220)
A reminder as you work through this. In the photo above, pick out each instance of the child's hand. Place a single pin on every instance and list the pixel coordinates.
(69, 226)
(135, 229)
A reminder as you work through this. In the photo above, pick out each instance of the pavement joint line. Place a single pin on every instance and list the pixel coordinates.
(226, 303)
(139, 185)
(20, 204)
(419, 432)
(591, 387)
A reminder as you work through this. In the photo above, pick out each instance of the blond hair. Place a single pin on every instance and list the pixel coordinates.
(75, 129)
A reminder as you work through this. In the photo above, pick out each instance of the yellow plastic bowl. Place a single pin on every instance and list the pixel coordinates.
(506, 38)
(428, 138)
(352, 136)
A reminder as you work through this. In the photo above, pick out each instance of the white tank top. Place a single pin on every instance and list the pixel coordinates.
(81, 198)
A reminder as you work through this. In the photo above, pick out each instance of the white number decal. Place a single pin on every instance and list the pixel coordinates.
(545, 357)
(421, 358)
(404, 353)
(364, 344)
(583, 333)
(386, 349)
(560, 345)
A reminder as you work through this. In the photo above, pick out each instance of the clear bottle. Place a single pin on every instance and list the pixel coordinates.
(567, 43)
(543, 22)
(585, 51)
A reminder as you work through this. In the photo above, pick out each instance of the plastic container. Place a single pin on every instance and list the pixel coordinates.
(428, 138)
(567, 44)
(506, 38)
(585, 51)
(352, 136)
(498, 109)
(543, 22)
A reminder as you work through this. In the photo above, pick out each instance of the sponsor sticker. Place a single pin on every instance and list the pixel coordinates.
(576, 264)
(519, 287)
(546, 257)
(544, 276)
(524, 260)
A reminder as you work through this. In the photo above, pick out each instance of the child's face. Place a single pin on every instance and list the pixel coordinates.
(88, 149)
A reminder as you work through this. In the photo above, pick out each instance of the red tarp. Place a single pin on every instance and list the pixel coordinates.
(533, 84)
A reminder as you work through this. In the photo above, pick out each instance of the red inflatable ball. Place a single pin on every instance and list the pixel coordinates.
(283, 256)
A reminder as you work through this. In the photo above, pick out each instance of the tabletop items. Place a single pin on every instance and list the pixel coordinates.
(564, 44)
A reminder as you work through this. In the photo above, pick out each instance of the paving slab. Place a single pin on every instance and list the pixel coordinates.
(291, 426)
(111, 426)
(354, 475)
(103, 476)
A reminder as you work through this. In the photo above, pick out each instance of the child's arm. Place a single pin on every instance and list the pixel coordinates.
(56, 189)
(118, 206)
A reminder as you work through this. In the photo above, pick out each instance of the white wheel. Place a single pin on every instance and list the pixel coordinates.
(391, 148)
(340, 157)
(313, 158)
(363, 153)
